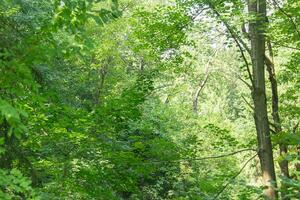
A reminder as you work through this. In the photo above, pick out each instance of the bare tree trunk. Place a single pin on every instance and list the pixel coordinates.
(256, 28)
(283, 149)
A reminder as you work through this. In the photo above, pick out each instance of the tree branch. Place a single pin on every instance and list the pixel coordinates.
(202, 84)
(233, 178)
(194, 159)
(290, 18)
(239, 42)
(252, 108)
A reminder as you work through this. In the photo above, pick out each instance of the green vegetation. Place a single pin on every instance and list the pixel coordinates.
(149, 100)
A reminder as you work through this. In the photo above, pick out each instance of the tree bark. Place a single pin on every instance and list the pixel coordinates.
(256, 29)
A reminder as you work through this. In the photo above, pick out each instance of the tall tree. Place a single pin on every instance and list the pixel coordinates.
(257, 8)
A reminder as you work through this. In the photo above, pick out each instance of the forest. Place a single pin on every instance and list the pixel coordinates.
(149, 99)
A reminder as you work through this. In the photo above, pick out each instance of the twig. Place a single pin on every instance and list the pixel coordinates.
(285, 46)
(246, 83)
(233, 178)
(252, 108)
(194, 159)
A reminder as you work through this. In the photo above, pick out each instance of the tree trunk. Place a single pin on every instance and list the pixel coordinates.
(6, 158)
(102, 75)
(199, 89)
(256, 28)
(283, 149)
(297, 165)
(202, 83)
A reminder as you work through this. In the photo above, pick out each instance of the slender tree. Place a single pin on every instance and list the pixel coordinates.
(257, 8)
(283, 148)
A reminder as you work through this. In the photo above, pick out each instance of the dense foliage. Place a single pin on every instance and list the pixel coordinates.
(107, 99)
